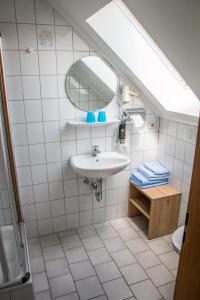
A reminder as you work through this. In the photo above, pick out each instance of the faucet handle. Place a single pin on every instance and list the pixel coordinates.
(95, 147)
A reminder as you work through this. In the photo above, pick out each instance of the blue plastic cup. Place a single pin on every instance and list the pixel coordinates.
(90, 117)
(101, 116)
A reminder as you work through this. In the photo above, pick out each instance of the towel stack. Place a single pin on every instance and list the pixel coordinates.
(150, 174)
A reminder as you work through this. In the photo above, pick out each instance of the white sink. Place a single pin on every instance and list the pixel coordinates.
(103, 165)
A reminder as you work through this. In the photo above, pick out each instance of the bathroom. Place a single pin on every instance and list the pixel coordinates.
(69, 231)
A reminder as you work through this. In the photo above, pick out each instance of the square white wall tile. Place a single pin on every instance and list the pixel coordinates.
(7, 13)
(11, 63)
(16, 112)
(68, 149)
(54, 171)
(21, 156)
(27, 36)
(64, 61)
(56, 190)
(33, 110)
(52, 131)
(29, 63)
(19, 135)
(39, 174)
(9, 36)
(44, 12)
(64, 38)
(67, 110)
(37, 154)
(41, 192)
(46, 37)
(53, 152)
(49, 87)
(31, 87)
(47, 61)
(25, 12)
(14, 88)
(35, 133)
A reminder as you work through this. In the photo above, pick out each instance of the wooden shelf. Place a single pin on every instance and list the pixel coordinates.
(142, 205)
(160, 205)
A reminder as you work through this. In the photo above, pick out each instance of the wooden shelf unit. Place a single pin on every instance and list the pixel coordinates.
(160, 205)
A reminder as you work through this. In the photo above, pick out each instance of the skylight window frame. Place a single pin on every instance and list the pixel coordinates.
(166, 63)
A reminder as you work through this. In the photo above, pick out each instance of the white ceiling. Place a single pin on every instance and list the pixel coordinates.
(173, 24)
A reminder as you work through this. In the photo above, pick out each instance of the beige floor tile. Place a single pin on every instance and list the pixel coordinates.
(89, 288)
(107, 232)
(37, 265)
(159, 275)
(123, 257)
(107, 271)
(86, 231)
(117, 289)
(99, 256)
(82, 270)
(114, 244)
(147, 259)
(49, 240)
(44, 295)
(137, 245)
(53, 252)
(71, 241)
(167, 290)
(170, 260)
(145, 290)
(127, 234)
(159, 246)
(92, 243)
(57, 267)
(75, 254)
(120, 223)
(61, 285)
(133, 273)
(40, 282)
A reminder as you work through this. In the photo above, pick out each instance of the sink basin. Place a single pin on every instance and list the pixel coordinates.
(103, 165)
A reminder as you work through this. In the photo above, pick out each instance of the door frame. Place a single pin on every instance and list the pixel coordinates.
(188, 276)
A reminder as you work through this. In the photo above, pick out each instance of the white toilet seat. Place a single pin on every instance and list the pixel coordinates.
(177, 238)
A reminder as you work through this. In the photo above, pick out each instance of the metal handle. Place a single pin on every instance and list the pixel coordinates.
(95, 147)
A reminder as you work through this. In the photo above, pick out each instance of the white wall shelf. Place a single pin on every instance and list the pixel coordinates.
(78, 123)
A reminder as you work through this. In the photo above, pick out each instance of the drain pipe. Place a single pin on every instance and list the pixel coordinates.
(95, 186)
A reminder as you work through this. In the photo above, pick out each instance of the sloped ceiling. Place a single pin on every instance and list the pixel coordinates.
(175, 27)
(173, 24)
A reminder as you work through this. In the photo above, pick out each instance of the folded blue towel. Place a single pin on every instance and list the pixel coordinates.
(141, 180)
(150, 175)
(156, 168)
(147, 185)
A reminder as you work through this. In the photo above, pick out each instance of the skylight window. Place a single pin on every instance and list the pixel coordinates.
(129, 40)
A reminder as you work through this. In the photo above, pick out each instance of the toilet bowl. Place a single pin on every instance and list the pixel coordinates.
(177, 238)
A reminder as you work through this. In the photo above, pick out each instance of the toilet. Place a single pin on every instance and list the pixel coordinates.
(177, 238)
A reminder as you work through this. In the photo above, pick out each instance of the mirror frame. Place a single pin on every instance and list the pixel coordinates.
(110, 66)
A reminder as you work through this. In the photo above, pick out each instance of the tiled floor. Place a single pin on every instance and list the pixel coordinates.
(112, 260)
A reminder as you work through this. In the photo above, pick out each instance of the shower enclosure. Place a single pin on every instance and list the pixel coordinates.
(14, 262)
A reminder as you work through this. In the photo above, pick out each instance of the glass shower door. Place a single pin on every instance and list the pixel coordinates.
(12, 259)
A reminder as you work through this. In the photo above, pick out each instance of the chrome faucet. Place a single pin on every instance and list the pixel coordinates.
(95, 150)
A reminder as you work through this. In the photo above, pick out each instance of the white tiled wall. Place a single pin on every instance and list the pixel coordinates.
(176, 147)
(52, 196)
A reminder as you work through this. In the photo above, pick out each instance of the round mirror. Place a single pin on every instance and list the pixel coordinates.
(91, 83)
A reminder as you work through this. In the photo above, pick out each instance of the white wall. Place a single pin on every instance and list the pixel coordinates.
(176, 147)
(53, 197)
